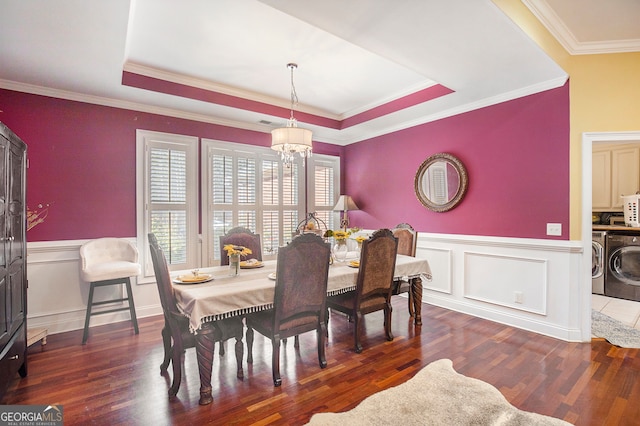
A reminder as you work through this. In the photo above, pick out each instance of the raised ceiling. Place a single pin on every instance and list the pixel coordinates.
(365, 67)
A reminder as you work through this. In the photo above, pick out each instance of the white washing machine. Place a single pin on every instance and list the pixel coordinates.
(598, 262)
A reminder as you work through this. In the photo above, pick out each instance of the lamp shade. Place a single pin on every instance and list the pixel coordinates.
(345, 202)
(291, 139)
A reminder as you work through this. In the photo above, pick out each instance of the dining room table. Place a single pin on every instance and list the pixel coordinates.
(221, 293)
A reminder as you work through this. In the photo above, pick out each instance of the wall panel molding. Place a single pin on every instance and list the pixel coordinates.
(515, 282)
(57, 296)
(486, 273)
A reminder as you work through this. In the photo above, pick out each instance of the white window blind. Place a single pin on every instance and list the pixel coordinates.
(167, 197)
(248, 186)
(324, 173)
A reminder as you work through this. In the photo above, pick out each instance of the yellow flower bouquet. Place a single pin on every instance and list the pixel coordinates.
(339, 234)
(234, 252)
(239, 250)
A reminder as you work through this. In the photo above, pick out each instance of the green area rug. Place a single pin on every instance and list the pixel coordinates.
(614, 331)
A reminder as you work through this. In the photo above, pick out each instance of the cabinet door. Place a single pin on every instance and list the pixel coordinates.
(601, 180)
(16, 232)
(625, 166)
(5, 295)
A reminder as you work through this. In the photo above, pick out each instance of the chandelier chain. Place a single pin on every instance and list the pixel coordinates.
(294, 94)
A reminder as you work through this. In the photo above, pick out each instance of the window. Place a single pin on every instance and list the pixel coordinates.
(324, 172)
(167, 198)
(241, 185)
(248, 186)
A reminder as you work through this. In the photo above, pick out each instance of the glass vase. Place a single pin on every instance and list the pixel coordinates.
(340, 251)
(234, 264)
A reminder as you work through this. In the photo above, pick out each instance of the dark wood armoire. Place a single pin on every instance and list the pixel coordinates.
(13, 258)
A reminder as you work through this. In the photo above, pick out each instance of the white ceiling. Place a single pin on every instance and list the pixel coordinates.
(352, 56)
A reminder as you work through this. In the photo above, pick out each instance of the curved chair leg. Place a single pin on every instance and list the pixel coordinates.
(387, 320)
(249, 336)
(275, 360)
(176, 358)
(356, 332)
(296, 342)
(222, 348)
(166, 341)
(322, 331)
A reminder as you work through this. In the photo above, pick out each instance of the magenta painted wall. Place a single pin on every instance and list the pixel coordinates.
(517, 158)
(82, 161)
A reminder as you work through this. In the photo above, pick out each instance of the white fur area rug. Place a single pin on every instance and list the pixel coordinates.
(436, 395)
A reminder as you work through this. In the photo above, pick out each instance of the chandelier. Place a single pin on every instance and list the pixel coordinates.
(291, 139)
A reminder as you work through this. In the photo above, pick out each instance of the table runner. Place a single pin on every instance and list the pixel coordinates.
(253, 291)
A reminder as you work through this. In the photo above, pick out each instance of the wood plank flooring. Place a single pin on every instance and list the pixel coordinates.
(115, 378)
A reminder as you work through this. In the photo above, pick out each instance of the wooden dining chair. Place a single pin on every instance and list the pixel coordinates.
(240, 236)
(407, 242)
(373, 285)
(176, 325)
(299, 303)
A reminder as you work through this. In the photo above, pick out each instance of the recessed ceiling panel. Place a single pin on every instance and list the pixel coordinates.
(245, 46)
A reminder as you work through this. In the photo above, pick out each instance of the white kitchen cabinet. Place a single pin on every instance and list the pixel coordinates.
(615, 172)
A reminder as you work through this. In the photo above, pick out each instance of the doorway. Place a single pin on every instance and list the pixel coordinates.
(588, 140)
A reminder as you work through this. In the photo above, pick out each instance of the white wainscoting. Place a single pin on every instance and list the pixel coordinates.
(57, 297)
(475, 275)
(534, 285)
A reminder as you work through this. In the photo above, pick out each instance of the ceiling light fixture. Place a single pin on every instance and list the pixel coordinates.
(291, 139)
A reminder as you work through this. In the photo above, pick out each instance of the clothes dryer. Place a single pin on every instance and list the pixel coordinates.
(622, 277)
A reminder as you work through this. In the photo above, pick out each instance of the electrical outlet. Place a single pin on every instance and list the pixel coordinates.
(554, 229)
(518, 297)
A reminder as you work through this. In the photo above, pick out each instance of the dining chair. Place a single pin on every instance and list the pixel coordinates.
(407, 241)
(240, 236)
(373, 285)
(176, 325)
(109, 262)
(299, 304)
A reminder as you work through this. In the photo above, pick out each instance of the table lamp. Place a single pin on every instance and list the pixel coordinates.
(344, 204)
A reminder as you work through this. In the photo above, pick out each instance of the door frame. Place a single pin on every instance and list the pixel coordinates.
(588, 139)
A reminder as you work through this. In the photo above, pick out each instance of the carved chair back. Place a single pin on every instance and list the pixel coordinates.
(240, 236)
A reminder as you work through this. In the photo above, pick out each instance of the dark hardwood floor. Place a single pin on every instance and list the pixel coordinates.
(115, 378)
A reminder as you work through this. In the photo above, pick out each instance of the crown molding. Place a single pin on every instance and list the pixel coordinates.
(134, 106)
(552, 22)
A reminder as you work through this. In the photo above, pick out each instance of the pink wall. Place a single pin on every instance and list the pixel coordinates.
(517, 158)
(82, 161)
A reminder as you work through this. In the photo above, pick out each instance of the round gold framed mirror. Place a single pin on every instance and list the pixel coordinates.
(441, 182)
